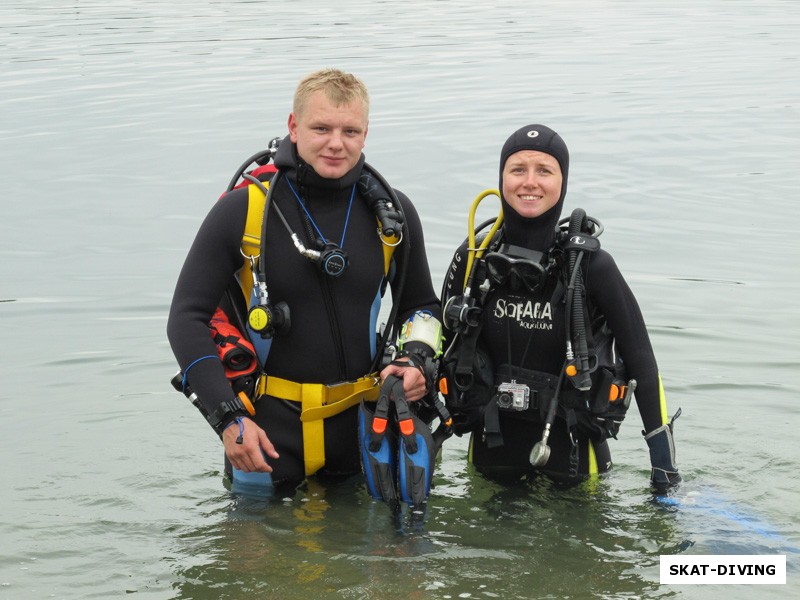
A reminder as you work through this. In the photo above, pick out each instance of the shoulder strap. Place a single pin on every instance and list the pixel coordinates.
(251, 239)
(389, 242)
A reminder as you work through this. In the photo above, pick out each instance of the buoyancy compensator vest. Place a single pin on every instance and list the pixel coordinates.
(590, 393)
(265, 319)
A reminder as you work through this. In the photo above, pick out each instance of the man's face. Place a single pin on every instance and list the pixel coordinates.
(329, 138)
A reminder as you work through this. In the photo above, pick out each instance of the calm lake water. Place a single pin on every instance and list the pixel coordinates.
(121, 122)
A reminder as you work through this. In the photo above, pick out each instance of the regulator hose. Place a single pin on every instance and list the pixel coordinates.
(576, 332)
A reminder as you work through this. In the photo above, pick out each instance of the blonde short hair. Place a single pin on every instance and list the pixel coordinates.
(339, 87)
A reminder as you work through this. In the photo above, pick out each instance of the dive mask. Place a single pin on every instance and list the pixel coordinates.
(524, 264)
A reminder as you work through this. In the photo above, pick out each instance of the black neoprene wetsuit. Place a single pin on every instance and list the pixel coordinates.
(527, 329)
(332, 334)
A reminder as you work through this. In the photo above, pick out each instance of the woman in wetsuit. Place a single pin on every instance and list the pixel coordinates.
(522, 339)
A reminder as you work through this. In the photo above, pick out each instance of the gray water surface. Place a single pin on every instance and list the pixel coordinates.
(121, 122)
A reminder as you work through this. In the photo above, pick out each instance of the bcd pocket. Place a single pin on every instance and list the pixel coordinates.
(467, 405)
(599, 412)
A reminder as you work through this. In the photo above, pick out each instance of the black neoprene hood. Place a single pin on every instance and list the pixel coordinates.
(541, 139)
(536, 233)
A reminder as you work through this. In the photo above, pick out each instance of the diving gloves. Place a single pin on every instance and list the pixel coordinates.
(397, 449)
(664, 473)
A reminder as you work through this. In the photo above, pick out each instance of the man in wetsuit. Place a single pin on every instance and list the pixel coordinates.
(522, 334)
(332, 333)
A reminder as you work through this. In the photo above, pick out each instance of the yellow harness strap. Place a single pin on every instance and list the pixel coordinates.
(318, 402)
(251, 238)
(389, 244)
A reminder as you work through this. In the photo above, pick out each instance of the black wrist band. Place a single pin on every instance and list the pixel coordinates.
(226, 414)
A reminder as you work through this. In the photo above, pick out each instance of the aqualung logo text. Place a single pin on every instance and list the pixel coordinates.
(528, 314)
(451, 273)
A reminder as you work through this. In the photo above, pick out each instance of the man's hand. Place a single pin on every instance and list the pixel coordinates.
(249, 455)
(414, 384)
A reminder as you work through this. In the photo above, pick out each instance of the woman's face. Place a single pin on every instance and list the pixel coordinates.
(531, 182)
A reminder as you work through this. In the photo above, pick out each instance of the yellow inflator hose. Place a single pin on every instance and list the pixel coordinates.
(474, 252)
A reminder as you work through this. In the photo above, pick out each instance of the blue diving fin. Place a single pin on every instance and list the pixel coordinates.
(417, 453)
(378, 443)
